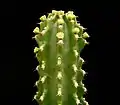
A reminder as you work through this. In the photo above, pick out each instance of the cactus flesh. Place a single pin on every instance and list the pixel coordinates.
(59, 40)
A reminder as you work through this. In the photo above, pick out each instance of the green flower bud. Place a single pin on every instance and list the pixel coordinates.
(70, 15)
(54, 12)
(36, 49)
(60, 21)
(43, 18)
(36, 30)
(76, 30)
(85, 35)
(60, 35)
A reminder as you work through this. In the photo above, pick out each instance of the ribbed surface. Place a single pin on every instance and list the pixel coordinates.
(59, 39)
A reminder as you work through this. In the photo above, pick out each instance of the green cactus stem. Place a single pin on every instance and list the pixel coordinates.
(59, 40)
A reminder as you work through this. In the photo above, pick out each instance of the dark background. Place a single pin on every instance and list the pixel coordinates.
(102, 23)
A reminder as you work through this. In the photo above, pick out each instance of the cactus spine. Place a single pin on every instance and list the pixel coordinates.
(59, 39)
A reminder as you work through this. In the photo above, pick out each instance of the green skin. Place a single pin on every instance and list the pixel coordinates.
(59, 39)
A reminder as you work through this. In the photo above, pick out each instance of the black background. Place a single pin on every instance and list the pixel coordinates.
(102, 23)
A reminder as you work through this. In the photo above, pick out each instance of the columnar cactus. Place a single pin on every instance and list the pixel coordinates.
(60, 39)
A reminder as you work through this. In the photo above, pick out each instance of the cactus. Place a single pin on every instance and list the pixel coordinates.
(59, 40)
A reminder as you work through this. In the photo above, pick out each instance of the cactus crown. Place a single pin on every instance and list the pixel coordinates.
(60, 39)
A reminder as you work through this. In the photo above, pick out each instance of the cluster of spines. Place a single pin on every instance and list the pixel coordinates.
(60, 28)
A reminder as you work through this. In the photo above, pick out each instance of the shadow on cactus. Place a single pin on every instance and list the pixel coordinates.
(60, 39)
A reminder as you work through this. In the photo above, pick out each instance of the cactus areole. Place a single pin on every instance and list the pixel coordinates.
(60, 39)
